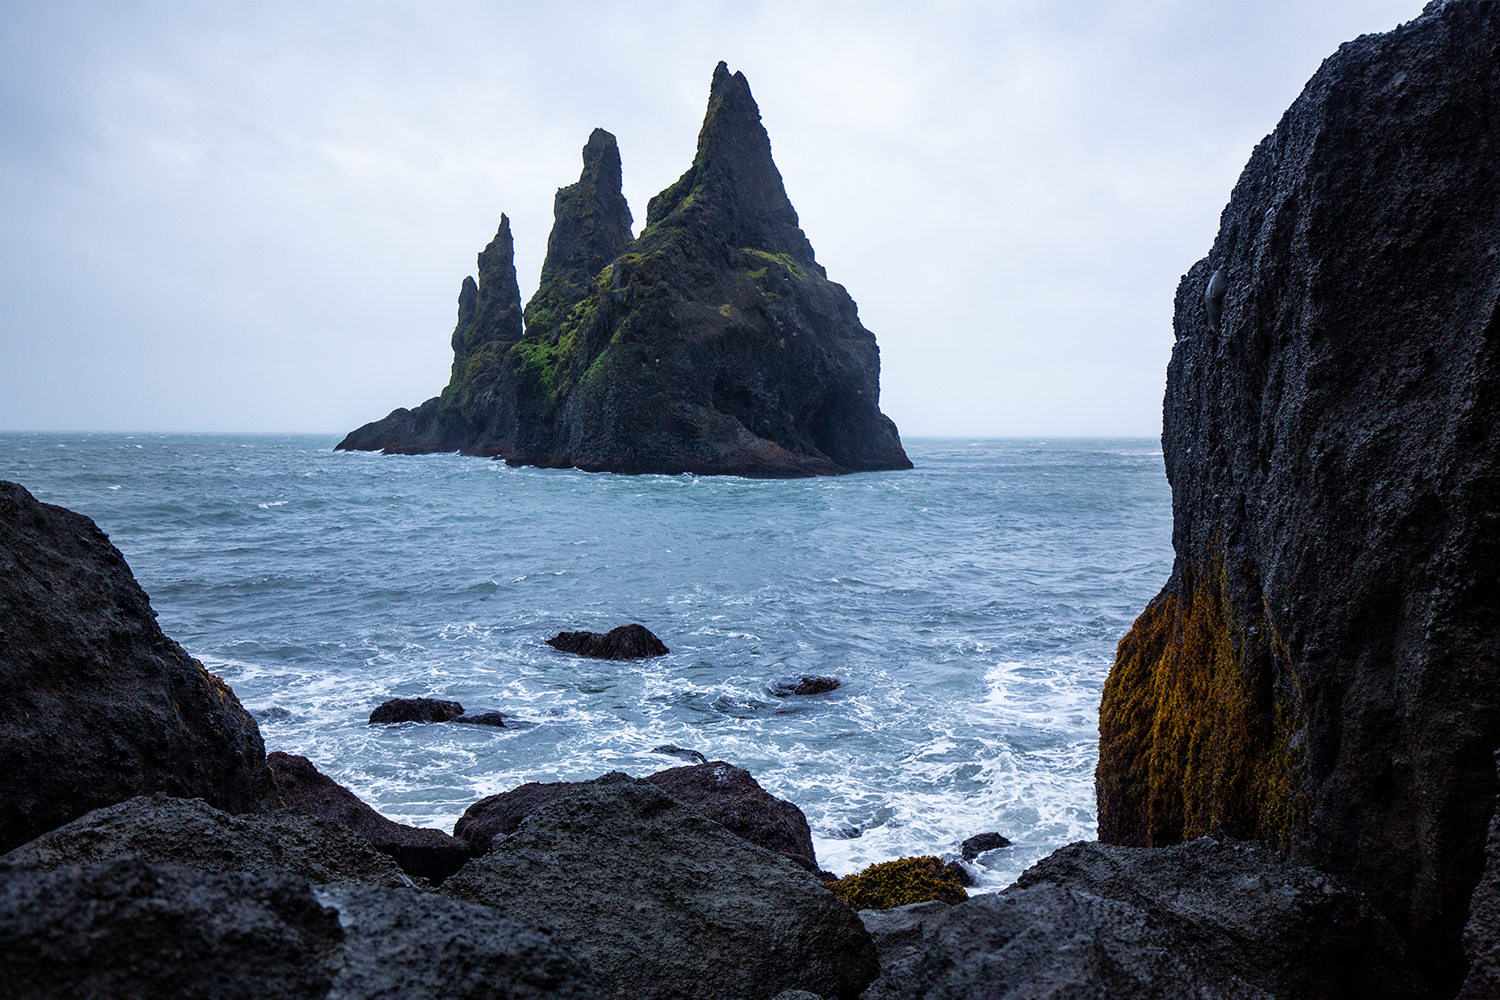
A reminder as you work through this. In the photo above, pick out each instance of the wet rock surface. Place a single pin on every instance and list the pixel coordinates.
(1322, 670)
(96, 704)
(731, 797)
(416, 710)
(408, 945)
(627, 642)
(713, 343)
(191, 833)
(804, 685)
(981, 842)
(664, 903)
(429, 854)
(129, 928)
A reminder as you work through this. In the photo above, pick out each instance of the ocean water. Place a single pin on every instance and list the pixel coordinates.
(970, 606)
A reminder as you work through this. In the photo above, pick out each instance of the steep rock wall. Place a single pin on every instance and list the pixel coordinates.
(1320, 671)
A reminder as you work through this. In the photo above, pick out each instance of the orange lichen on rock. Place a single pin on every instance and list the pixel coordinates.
(1197, 723)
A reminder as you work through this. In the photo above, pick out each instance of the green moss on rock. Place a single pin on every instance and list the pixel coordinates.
(897, 883)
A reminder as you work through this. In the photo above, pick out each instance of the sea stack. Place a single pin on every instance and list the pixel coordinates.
(1322, 670)
(713, 344)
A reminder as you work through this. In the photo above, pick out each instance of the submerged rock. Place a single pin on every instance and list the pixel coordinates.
(664, 903)
(416, 710)
(628, 642)
(96, 704)
(192, 833)
(981, 842)
(1322, 670)
(429, 854)
(714, 343)
(130, 928)
(804, 685)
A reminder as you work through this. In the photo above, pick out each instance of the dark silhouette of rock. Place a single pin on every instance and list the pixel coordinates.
(981, 842)
(726, 794)
(806, 684)
(676, 751)
(96, 704)
(429, 854)
(731, 797)
(628, 642)
(416, 710)
(192, 833)
(1322, 670)
(664, 903)
(500, 815)
(133, 928)
(1482, 935)
(420, 946)
(129, 928)
(1204, 920)
(714, 343)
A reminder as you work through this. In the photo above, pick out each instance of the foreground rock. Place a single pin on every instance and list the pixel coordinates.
(1322, 670)
(130, 928)
(191, 833)
(714, 343)
(1202, 920)
(726, 794)
(1482, 935)
(410, 945)
(664, 903)
(628, 642)
(96, 704)
(429, 854)
(731, 797)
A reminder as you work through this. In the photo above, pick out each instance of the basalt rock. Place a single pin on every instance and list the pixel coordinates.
(416, 710)
(192, 833)
(499, 815)
(429, 854)
(628, 642)
(129, 928)
(665, 904)
(96, 704)
(981, 842)
(1322, 670)
(1482, 935)
(713, 343)
(805, 685)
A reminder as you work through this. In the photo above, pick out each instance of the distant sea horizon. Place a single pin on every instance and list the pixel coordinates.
(970, 607)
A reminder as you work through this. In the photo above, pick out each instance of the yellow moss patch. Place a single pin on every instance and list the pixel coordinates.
(1196, 723)
(897, 883)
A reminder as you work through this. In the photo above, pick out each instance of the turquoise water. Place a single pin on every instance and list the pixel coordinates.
(971, 607)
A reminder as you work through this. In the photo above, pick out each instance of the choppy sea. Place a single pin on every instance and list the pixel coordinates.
(970, 606)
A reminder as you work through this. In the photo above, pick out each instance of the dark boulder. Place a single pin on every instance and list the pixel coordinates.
(1322, 670)
(429, 854)
(665, 904)
(714, 343)
(130, 928)
(191, 833)
(981, 842)
(407, 945)
(806, 684)
(1201, 920)
(500, 815)
(482, 719)
(416, 710)
(627, 642)
(731, 797)
(671, 750)
(96, 704)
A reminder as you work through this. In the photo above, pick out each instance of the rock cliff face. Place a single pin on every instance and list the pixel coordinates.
(1322, 670)
(713, 343)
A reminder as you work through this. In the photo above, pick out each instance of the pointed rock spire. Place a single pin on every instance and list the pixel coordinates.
(591, 223)
(493, 307)
(733, 187)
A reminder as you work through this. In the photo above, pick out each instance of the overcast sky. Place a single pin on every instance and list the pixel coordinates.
(256, 217)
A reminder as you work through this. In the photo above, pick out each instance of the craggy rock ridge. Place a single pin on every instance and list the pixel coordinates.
(714, 343)
(1322, 670)
(96, 704)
